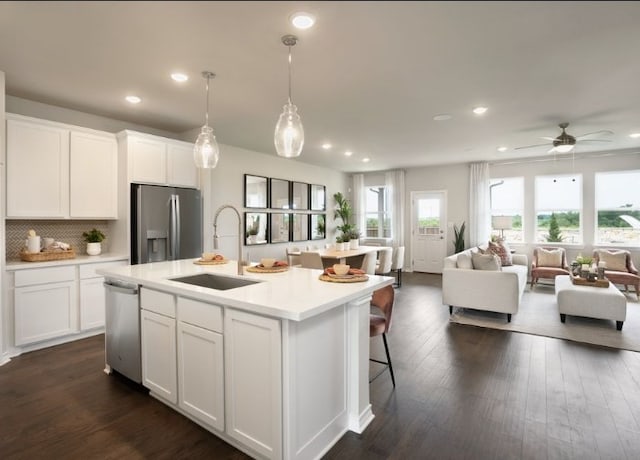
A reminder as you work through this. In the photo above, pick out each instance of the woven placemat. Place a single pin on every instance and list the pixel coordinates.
(355, 279)
(211, 262)
(257, 269)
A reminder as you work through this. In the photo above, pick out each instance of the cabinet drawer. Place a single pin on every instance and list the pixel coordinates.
(44, 275)
(201, 314)
(89, 270)
(159, 302)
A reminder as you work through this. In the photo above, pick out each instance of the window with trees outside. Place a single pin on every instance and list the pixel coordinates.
(377, 214)
(507, 208)
(618, 208)
(559, 209)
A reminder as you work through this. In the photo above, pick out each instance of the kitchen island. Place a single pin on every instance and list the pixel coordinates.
(278, 368)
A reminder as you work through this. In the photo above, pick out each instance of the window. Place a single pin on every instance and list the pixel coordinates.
(507, 208)
(377, 215)
(618, 208)
(559, 209)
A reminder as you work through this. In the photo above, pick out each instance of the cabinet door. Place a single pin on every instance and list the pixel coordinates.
(93, 176)
(147, 160)
(159, 355)
(45, 311)
(253, 381)
(201, 374)
(37, 170)
(181, 170)
(92, 303)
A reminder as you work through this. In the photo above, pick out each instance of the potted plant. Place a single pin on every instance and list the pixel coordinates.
(339, 243)
(344, 212)
(458, 238)
(354, 238)
(94, 240)
(253, 230)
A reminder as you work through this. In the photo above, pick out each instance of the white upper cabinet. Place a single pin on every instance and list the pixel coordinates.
(158, 160)
(37, 170)
(93, 176)
(57, 171)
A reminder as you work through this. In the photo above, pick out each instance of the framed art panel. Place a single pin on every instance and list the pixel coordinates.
(318, 197)
(279, 225)
(255, 191)
(300, 197)
(255, 228)
(280, 197)
(300, 227)
(317, 226)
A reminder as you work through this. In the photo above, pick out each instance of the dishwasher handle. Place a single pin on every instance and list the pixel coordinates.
(129, 290)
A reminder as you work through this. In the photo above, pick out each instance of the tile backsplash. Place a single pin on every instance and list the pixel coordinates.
(67, 231)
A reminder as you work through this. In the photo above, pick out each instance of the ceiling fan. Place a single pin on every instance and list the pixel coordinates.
(565, 142)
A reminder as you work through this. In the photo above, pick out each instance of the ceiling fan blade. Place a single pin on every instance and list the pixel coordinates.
(549, 138)
(602, 131)
(531, 146)
(582, 141)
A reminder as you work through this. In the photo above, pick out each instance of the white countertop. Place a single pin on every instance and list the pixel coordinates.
(296, 294)
(77, 260)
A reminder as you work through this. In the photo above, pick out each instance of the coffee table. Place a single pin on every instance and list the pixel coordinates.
(590, 301)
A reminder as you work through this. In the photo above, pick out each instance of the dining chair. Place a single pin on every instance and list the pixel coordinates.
(382, 299)
(311, 259)
(369, 263)
(384, 264)
(397, 264)
(293, 256)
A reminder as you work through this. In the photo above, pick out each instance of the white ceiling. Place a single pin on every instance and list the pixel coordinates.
(368, 77)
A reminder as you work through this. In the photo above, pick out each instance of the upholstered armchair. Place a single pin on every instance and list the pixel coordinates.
(619, 268)
(548, 263)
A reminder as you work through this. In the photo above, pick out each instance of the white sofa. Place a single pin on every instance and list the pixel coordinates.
(498, 291)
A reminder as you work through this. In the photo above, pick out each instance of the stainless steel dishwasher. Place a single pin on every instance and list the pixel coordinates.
(122, 329)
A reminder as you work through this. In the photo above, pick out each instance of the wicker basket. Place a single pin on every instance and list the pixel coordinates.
(45, 256)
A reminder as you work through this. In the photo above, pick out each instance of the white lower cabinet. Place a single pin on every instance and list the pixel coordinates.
(201, 374)
(92, 295)
(253, 381)
(158, 337)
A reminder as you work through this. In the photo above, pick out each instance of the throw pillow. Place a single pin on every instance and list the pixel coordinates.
(549, 258)
(501, 250)
(486, 262)
(464, 261)
(616, 261)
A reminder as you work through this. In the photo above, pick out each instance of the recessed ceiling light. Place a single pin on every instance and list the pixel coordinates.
(502, 149)
(133, 99)
(348, 153)
(302, 20)
(479, 110)
(179, 77)
(634, 135)
(326, 146)
(366, 160)
(443, 117)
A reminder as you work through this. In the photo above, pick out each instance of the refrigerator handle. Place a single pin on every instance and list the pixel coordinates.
(174, 217)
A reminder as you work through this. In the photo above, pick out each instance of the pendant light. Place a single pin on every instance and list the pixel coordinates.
(289, 134)
(206, 151)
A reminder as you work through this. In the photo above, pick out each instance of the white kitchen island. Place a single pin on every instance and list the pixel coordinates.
(278, 369)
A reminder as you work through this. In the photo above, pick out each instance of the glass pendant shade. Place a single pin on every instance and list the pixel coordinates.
(289, 134)
(206, 151)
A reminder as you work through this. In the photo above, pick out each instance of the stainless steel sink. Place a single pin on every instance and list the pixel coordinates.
(218, 282)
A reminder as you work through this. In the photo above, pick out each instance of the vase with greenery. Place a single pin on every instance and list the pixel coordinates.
(94, 239)
(458, 237)
(344, 212)
(253, 230)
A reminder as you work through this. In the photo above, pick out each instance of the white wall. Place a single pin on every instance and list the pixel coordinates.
(226, 187)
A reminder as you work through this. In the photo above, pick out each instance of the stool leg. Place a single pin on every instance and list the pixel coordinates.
(619, 325)
(386, 349)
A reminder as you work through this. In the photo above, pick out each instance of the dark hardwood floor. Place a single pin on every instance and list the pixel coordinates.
(462, 392)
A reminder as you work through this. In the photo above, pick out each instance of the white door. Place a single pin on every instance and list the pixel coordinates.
(428, 230)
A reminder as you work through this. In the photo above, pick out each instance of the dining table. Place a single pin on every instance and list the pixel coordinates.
(331, 255)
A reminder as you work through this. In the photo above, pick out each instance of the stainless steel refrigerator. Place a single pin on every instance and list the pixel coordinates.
(166, 223)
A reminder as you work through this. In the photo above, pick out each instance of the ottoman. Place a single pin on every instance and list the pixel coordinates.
(590, 301)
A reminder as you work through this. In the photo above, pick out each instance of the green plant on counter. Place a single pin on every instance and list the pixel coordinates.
(94, 236)
(458, 237)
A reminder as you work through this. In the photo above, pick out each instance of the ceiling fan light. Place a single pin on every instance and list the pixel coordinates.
(564, 148)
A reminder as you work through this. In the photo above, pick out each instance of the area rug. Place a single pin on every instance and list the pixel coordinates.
(538, 315)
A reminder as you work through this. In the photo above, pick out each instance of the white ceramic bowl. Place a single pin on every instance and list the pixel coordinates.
(267, 263)
(341, 269)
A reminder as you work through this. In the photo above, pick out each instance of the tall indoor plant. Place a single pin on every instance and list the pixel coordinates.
(458, 238)
(344, 212)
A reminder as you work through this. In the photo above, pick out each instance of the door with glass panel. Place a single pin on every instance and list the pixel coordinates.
(428, 230)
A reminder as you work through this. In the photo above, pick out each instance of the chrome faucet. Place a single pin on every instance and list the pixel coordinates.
(215, 233)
